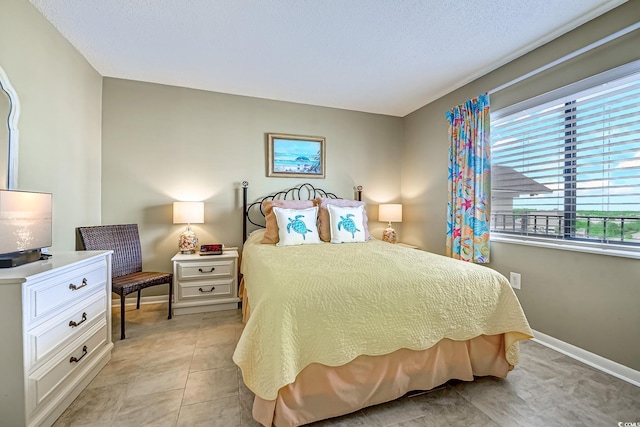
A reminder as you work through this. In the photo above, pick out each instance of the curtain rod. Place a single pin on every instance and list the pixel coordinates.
(565, 58)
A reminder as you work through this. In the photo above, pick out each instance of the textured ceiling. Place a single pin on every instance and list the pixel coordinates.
(380, 56)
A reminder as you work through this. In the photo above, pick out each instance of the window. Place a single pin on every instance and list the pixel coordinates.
(566, 165)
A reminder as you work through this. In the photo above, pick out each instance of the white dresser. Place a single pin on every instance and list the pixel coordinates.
(55, 331)
(205, 283)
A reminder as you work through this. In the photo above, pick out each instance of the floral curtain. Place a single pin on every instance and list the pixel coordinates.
(468, 209)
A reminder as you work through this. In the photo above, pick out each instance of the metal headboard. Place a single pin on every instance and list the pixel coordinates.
(252, 212)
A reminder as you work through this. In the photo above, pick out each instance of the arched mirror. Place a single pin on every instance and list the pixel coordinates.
(9, 113)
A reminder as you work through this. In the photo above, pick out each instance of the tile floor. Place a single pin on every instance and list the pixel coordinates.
(179, 372)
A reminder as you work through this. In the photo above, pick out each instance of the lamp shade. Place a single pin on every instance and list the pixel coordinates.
(188, 212)
(391, 212)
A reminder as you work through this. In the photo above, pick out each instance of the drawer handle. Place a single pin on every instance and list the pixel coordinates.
(210, 271)
(74, 324)
(84, 353)
(210, 290)
(75, 288)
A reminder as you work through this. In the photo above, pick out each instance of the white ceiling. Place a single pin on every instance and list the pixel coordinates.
(380, 56)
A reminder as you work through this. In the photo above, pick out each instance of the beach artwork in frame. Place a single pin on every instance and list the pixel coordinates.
(294, 156)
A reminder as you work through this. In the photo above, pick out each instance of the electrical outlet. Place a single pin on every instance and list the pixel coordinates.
(514, 279)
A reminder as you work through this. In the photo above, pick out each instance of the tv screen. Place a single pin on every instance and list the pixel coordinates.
(25, 221)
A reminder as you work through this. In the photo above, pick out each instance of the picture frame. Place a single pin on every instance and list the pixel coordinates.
(295, 156)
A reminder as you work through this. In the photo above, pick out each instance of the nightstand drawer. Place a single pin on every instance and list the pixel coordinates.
(64, 328)
(208, 269)
(60, 291)
(205, 289)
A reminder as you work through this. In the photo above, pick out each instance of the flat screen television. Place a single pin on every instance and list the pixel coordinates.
(25, 226)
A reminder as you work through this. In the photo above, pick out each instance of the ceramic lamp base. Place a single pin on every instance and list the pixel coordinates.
(188, 242)
(390, 235)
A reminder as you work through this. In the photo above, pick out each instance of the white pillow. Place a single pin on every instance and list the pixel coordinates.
(346, 224)
(297, 226)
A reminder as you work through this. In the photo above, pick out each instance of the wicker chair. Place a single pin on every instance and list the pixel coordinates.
(127, 274)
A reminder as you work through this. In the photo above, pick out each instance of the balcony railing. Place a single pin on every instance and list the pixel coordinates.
(606, 229)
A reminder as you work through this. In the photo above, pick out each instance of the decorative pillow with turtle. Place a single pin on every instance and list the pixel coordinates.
(324, 223)
(346, 224)
(271, 235)
(297, 226)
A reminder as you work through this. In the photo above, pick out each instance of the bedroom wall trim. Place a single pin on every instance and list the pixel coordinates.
(603, 364)
(598, 362)
(152, 299)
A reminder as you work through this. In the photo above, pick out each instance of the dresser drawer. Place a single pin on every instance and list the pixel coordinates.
(208, 269)
(58, 292)
(205, 289)
(64, 328)
(46, 379)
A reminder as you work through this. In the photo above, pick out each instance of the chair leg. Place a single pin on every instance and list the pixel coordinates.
(122, 298)
(138, 303)
(170, 297)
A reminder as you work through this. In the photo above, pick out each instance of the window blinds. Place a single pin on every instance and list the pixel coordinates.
(570, 168)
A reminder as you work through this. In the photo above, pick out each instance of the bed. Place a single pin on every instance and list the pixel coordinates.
(331, 328)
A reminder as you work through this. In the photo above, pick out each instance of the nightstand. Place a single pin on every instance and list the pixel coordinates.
(204, 283)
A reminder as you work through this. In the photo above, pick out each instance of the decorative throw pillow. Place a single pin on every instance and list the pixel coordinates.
(346, 224)
(271, 231)
(324, 225)
(297, 226)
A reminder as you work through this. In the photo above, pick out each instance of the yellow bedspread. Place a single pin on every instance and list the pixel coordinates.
(330, 303)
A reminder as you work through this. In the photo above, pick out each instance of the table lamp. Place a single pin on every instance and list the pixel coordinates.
(188, 213)
(391, 212)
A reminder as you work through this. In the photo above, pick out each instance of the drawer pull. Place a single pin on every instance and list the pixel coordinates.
(75, 288)
(74, 324)
(210, 290)
(84, 353)
(210, 271)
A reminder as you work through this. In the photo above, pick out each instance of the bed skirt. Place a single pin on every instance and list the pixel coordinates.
(320, 392)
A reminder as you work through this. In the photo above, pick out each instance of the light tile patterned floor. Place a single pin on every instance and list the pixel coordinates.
(179, 372)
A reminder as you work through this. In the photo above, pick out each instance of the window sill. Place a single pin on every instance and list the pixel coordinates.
(592, 248)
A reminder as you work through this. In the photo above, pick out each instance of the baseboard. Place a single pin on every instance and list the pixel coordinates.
(605, 365)
(132, 300)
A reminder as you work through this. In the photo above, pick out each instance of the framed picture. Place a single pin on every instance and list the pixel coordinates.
(292, 156)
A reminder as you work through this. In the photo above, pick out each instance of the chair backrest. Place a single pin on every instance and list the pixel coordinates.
(123, 240)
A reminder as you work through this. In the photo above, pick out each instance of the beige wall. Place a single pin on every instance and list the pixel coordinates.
(60, 96)
(590, 301)
(164, 143)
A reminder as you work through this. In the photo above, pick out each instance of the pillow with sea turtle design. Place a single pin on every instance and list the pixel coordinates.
(271, 233)
(297, 226)
(324, 224)
(346, 224)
